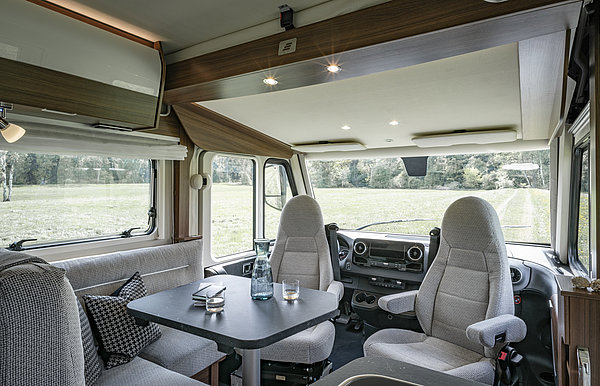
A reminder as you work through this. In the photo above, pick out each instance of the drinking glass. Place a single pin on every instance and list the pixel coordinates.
(215, 303)
(291, 289)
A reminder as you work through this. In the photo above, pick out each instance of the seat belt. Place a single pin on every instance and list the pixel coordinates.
(434, 245)
(334, 253)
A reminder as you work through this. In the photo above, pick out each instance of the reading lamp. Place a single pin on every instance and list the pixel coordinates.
(10, 131)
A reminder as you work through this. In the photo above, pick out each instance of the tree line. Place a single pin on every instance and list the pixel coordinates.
(45, 169)
(466, 171)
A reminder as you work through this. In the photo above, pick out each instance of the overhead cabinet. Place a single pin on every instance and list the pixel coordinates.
(55, 66)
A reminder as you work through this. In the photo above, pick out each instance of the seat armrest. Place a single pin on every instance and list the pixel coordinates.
(398, 303)
(336, 288)
(502, 328)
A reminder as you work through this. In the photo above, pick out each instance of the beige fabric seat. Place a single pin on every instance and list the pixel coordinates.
(464, 302)
(301, 252)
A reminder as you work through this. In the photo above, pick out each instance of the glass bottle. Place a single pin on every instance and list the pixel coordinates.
(261, 287)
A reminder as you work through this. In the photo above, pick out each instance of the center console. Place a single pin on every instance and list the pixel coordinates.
(396, 255)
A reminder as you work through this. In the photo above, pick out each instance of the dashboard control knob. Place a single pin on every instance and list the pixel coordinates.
(415, 253)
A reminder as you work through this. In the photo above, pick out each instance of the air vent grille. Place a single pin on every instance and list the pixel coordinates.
(287, 46)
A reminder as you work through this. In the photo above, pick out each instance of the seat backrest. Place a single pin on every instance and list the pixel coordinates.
(162, 267)
(40, 335)
(301, 250)
(469, 280)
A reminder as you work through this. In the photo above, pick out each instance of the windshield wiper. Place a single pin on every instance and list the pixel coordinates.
(393, 222)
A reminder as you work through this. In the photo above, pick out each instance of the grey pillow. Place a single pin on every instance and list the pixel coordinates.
(90, 354)
(119, 336)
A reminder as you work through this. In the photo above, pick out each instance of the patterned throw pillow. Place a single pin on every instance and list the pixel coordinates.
(90, 354)
(119, 336)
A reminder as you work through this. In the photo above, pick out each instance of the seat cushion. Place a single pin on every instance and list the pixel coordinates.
(426, 351)
(309, 346)
(142, 372)
(181, 352)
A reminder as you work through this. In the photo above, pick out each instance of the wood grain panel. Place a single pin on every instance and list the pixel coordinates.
(168, 125)
(26, 84)
(581, 313)
(91, 21)
(215, 132)
(200, 78)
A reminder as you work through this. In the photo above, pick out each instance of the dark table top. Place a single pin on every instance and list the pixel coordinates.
(394, 369)
(244, 323)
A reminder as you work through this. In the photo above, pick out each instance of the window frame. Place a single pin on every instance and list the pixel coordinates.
(288, 171)
(153, 226)
(574, 203)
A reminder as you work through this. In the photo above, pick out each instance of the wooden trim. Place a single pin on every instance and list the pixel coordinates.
(215, 132)
(443, 28)
(96, 23)
(168, 125)
(181, 200)
(30, 85)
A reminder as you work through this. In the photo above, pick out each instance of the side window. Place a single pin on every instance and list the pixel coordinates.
(278, 191)
(232, 200)
(59, 199)
(580, 208)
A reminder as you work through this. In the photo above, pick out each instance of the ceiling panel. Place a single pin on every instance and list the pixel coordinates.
(471, 91)
(183, 23)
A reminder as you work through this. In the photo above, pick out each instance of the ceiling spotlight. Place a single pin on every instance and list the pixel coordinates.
(388, 140)
(333, 68)
(394, 123)
(270, 81)
(10, 131)
(345, 127)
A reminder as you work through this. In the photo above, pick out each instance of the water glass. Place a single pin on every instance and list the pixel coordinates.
(215, 303)
(291, 289)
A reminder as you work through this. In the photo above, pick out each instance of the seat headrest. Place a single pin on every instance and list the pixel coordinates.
(301, 217)
(471, 223)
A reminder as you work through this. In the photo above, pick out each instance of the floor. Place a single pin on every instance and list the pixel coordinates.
(348, 345)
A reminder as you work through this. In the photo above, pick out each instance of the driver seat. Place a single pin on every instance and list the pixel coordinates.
(465, 303)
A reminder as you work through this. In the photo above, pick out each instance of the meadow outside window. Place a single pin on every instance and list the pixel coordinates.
(232, 204)
(60, 199)
(579, 234)
(378, 195)
(279, 188)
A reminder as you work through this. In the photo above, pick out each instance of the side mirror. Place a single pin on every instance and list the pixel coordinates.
(276, 186)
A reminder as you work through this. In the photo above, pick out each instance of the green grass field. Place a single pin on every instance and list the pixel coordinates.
(527, 210)
(51, 213)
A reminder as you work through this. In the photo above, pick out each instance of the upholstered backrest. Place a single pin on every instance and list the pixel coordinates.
(162, 267)
(301, 250)
(469, 280)
(40, 336)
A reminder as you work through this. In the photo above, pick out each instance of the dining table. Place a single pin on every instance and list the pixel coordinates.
(244, 323)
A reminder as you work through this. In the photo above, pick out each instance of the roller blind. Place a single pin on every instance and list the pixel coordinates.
(65, 140)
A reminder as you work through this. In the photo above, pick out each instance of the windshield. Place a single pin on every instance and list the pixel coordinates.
(354, 193)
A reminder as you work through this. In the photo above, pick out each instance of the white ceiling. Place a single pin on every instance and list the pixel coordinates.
(182, 23)
(472, 91)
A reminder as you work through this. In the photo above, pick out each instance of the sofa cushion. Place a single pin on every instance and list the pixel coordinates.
(142, 372)
(182, 352)
(92, 368)
(119, 336)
